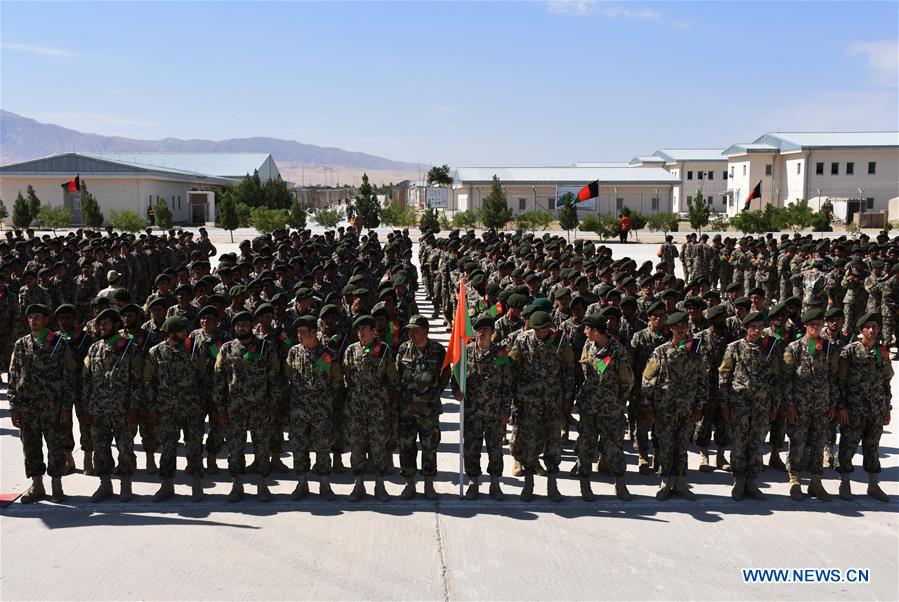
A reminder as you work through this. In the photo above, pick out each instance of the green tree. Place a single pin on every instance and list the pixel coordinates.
(276, 194)
(589, 224)
(54, 217)
(267, 220)
(228, 216)
(495, 212)
(799, 215)
(698, 211)
(533, 220)
(250, 191)
(163, 215)
(21, 212)
(440, 175)
(719, 223)
(127, 220)
(3, 212)
(327, 218)
(34, 203)
(90, 209)
(443, 222)
(568, 219)
(297, 216)
(465, 220)
(368, 209)
(429, 222)
(391, 215)
(663, 222)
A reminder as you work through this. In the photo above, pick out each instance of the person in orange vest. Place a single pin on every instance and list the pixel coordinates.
(625, 220)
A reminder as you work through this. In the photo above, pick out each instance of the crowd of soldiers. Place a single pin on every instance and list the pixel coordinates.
(320, 336)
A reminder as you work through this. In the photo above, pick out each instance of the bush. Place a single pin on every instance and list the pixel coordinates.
(327, 218)
(90, 209)
(853, 230)
(533, 220)
(266, 220)
(163, 215)
(465, 220)
(638, 220)
(663, 222)
(21, 212)
(127, 220)
(396, 216)
(54, 217)
(720, 222)
(428, 221)
(589, 223)
(244, 215)
(297, 216)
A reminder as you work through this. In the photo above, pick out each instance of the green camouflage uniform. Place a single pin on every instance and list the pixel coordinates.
(370, 377)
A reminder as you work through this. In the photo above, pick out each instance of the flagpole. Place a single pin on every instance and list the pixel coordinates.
(463, 378)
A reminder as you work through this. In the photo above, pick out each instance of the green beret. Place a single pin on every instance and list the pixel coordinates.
(869, 317)
(364, 320)
(715, 311)
(776, 310)
(174, 324)
(610, 311)
(109, 314)
(697, 302)
(131, 308)
(208, 310)
(237, 289)
(562, 291)
(418, 321)
(833, 313)
(242, 316)
(264, 308)
(654, 307)
(38, 308)
(742, 302)
(484, 320)
(528, 310)
(815, 313)
(156, 301)
(676, 318)
(753, 316)
(539, 320)
(306, 321)
(160, 278)
(595, 321)
(65, 308)
(542, 303)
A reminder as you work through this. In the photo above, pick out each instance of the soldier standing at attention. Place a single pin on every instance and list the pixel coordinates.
(79, 342)
(675, 386)
(864, 404)
(40, 367)
(207, 341)
(314, 380)
(247, 394)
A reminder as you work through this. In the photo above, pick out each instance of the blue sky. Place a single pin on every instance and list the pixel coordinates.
(502, 83)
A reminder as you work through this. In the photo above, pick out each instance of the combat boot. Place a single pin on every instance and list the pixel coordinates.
(796, 487)
(103, 491)
(70, 467)
(775, 463)
(301, 489)
(166, 490)
(151, 463)
(664, 491)
(621, 489)
(472, 492)
(753, 491)
(586, 490)
(552, 489)
(517, 469)
(324, 488)
(35, 492)
(430, 493)
(277, 465)
(874, 489)
(89, 464)
(409, 490)
(196, 488)
(358, 491)
(496, 491)
(683, 490)
(381, 492)
(845, 492)
(212, 466)
(643, 466)
(236, 493)
(57, 495)
(262, 491)
(721, 461)
(816, 489)
(704, 460)
(527, 492)
(337, 466)
(125, 494)
(739, 489)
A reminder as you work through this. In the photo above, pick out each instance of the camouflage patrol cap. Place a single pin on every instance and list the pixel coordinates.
(174, 324)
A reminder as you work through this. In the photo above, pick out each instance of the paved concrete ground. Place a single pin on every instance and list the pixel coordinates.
(445, 550)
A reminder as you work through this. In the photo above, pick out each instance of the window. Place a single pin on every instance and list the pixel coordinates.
(619, 203)
(731, 171)
(151, 200)
(768, 169)
(850, 169)
(689, 175)
(834, 169)
(711, 198)
(744, 170)
(699, 174)
(870, 200)
(179, 201)
(711, 174)
(872, 168)
(689, 199)
(798, 168)
(522, 204)
(819, 169)
(724, 174)
(655, 203)
(157, 199)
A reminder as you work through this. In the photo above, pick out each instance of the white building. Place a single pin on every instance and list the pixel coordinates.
(698, 169)
(188, 182)
(646, 190)
(855, 171)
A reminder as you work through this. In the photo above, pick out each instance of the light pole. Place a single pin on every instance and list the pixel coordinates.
(534, 208)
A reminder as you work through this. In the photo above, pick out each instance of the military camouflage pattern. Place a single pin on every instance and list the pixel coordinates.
(370, 377)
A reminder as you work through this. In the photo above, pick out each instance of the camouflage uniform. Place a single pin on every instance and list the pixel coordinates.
(38, 373)
(889, 307)
(209, 346)
(544, 379)
(79, 342)
(9, 317)
(674, 384)
(488, 396)
(247, 388)
(713, 346)
(608, 379)
(172, 378)
(420, 383)
(112, 386)
(863, 379)
(370, 377)
(142, 341)
(643, 343)
(746, 380)
(314, 380)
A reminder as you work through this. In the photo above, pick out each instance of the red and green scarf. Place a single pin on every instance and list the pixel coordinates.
(502, 357)
(815, 346)
(253, 353)
(285, 340)
(45, 337)
(393, 329)
(374, 350)
(324, 362)
(602, 364)
(117, 343)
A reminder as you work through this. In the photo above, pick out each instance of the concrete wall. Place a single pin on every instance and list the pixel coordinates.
(713, 187)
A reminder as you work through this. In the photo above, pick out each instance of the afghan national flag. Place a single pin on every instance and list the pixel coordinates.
(602, 364)
(324, 362)
(502, 357)
(755, 194)
(393, 329)
(590, 191)
(815, 346)
(459, 338)
(496, 310)
(72, 184)
(253, 353)
(285, 340)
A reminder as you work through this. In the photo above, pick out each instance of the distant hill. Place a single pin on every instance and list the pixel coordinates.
(22, 138)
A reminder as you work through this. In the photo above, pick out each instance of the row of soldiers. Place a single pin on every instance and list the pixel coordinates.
(561, 330)
(746, 354)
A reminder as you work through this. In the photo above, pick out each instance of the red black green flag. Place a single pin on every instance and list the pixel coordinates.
(755, 194)
(590, 191)
(72, 184)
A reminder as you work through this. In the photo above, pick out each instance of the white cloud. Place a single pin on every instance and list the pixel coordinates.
(883, 59)
(585, 7)
(43, 50)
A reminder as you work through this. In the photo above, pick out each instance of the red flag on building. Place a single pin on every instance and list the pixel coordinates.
(755, 194)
